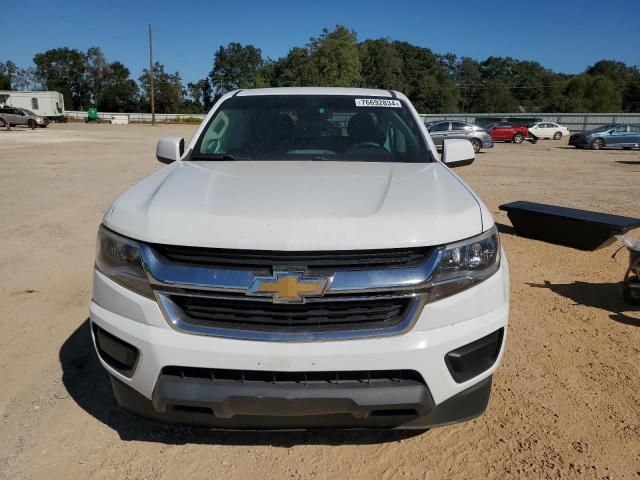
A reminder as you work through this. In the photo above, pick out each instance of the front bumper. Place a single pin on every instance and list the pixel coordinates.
(468, 404)
(487, 141)
(443, 326)
(579, 141)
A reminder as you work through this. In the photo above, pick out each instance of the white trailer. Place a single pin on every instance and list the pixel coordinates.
(44, 104)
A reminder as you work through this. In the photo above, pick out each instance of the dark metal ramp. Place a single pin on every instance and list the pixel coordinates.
(572, 227)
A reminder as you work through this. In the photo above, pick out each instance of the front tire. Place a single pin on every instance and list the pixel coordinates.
(476, 144)
(557, 135)
(597, 144)
(518, 138)
(2, 123)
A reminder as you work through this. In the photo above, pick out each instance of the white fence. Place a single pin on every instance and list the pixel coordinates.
(141, 117)
(574, 121)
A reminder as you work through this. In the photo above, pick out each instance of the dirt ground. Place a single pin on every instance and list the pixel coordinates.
(566, 400)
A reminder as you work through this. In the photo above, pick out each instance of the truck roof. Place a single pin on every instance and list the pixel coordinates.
(19, 92)
(363, 92)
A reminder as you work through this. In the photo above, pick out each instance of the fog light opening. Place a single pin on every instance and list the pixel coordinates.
(472, 359)
(116, 353)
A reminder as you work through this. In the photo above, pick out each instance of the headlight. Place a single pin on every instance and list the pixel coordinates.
(118, 258)
(466, 263)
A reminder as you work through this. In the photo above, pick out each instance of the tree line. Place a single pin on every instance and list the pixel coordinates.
(435, 83)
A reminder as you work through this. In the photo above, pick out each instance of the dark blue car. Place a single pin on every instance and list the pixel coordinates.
(617, 135)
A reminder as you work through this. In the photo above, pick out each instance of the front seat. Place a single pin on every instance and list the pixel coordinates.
(272, 131)
(362, 129)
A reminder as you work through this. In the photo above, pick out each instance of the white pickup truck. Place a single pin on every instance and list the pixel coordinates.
(307, 260)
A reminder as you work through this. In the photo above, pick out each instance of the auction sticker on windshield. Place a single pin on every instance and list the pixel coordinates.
(377, 102)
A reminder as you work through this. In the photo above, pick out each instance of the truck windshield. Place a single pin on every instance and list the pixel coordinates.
(312, 127)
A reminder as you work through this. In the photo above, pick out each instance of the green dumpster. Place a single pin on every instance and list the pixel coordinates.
(92, 115)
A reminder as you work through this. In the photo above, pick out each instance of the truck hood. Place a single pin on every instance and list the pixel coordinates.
(298, 205)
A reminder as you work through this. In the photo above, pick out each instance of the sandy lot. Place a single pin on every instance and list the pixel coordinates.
(565, 404)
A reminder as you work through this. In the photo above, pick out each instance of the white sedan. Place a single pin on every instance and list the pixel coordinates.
(548, 130)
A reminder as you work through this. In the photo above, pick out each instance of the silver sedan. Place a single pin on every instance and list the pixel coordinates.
(441, 129)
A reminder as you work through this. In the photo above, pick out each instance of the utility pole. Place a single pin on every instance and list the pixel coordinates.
(152, 92)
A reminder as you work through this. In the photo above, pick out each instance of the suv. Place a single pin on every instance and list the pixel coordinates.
(13, 116)
(307, 260)
(439, 130)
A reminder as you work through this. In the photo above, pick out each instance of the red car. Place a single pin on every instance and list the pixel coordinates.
(507, 132)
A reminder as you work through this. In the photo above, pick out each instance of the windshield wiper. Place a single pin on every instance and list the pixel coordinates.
(225, 156)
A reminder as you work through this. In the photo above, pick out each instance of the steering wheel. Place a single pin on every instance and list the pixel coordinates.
(363, 145)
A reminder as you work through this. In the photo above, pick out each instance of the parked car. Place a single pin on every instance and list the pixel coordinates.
(507, 132)
(13, 116)
(307, 260)
(443, 129)
(615, 135)
(548, 130)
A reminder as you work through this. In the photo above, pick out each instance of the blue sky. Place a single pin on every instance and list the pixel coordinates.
(563, 35)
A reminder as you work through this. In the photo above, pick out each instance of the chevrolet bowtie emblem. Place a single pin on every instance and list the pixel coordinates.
(286, 287)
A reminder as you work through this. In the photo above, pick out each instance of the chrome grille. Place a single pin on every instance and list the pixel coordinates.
(315, 262)
(209, 291)
(327, 315)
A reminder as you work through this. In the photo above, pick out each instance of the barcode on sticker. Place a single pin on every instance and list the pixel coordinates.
(377, 102)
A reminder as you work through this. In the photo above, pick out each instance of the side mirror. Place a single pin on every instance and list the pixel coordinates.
(170, 149)
(457, 153)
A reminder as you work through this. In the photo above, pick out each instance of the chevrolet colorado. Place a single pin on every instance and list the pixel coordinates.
(308, 260)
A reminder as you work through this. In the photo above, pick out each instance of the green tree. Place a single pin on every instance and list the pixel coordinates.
(200, 93)
(235, 66)
(603, 95)
(8, 71)
(496, 97)
(437, 94)
(64, 70)
(25, 79)
(169, 94)
(120, 92)
(469, 81)
(290, 71)
(334, 58)
(590, 93)
(381, 64)
(626, 79)
(416, 63)
(98, 71)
